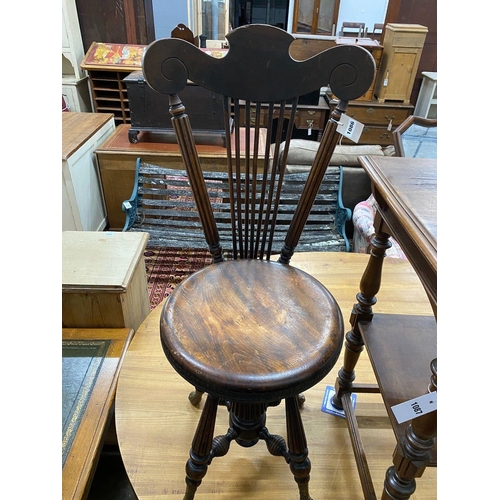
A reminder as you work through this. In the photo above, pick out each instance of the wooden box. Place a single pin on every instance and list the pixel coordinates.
(403, 44)
(104, 282)
(149, 111)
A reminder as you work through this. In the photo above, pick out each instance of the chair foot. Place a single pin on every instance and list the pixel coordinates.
(195, 397)
(302, 400)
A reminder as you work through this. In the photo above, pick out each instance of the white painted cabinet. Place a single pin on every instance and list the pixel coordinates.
(75, 86)
(426, 105)
(83, 207)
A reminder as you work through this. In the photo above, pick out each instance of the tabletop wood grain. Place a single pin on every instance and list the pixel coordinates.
(156, 422)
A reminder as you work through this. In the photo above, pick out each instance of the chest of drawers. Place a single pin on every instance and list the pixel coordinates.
(379, 119)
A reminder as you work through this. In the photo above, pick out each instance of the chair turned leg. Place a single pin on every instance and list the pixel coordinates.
(199, 459)
(300, 465)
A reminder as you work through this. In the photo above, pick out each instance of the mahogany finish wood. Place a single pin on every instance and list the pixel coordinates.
(400, 349)
(247, 331)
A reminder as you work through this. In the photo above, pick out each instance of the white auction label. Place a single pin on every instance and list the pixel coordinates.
(415, 407)
(350, 128)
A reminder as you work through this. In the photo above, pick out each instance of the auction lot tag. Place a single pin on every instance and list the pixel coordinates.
(415, 407)
(350, 128)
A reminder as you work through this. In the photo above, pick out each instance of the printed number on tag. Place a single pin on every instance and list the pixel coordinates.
(350, 128)
(415, 407)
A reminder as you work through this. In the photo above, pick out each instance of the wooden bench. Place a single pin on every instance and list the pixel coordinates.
(162, 205)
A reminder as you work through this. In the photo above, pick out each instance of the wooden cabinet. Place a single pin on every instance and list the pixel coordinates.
(403, 44)
(104, 282)
(82, 201)
(107, 65)
(379, 119)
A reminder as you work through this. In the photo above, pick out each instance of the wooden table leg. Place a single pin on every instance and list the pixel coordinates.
(411, 458)
(362, 311)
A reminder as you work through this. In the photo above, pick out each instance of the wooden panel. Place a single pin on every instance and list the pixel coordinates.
(422, 12)
(400, 76)
(413, 345)
(122, 21)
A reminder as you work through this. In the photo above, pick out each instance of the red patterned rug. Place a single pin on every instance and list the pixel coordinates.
(167, 267)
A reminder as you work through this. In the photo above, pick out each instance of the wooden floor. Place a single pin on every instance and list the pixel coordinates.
(156, 422)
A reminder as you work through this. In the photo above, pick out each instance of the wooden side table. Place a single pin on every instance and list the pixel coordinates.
(91, 361)
(402, 349)
(104, 282)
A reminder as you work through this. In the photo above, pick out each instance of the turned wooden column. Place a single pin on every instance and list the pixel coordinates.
(362, 310)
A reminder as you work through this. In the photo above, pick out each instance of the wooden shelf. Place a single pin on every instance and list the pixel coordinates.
(107, 65)
(400, 348)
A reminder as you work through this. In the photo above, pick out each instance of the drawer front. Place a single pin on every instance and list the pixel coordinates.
(372, 115)
(304, 119)
(408, 40)
(310, 119)
(253, 117)
(374, 135)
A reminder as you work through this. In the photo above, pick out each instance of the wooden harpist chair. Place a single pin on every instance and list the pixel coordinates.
(252, 331)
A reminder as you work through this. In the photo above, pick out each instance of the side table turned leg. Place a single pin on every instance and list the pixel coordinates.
(362, 311)
(411, 457)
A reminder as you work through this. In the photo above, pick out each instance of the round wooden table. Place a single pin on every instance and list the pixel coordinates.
(156, 422)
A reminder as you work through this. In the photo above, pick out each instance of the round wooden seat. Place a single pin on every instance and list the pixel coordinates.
(251, 330)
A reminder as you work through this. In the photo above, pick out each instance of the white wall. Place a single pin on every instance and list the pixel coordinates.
(362, 11)
(167, 14)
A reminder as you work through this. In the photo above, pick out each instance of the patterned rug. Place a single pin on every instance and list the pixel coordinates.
(167, 267)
